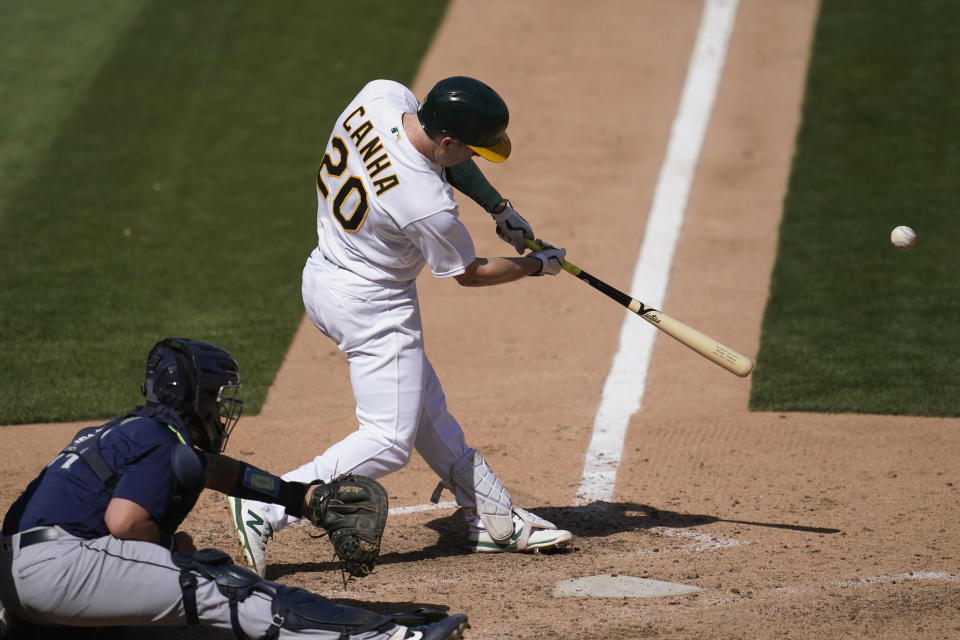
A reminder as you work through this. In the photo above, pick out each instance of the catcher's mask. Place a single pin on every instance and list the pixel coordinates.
(201, 381)
(469, 111)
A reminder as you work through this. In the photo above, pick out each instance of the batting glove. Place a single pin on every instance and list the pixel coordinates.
(512, 228)
(551, 259)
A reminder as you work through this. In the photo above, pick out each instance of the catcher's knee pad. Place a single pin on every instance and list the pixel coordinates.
(236, 583)
(494, 506)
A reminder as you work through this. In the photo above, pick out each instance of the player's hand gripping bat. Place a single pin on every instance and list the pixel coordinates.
(699, 342)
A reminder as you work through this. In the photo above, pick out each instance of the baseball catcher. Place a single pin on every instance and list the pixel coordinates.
(93, 540)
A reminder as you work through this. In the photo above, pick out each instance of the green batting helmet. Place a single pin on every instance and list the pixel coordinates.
(469, 111)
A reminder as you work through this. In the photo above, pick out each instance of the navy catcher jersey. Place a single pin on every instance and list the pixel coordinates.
(68, 493)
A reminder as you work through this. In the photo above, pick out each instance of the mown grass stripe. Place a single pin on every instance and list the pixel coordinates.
(177, 198)
(50, 52)
(852, 324)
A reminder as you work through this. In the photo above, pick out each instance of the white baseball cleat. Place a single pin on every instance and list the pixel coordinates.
(253, 531)
(530, 533)
(452, 627)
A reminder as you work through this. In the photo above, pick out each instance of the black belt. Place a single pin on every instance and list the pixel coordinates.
(35, 536)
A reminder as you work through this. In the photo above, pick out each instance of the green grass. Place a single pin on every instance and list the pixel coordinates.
(159, 181)
(852, 324)
(50, 52)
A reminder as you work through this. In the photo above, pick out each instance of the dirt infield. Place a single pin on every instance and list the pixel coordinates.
(792, 525)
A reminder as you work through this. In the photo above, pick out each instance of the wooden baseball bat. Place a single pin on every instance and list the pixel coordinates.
(699, 342)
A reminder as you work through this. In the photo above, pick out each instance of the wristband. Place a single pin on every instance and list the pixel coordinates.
(292, 495)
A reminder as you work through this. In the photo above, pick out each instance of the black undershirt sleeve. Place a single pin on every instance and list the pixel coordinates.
(467, 178)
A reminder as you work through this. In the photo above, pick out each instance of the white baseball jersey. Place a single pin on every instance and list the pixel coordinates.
(382, 211)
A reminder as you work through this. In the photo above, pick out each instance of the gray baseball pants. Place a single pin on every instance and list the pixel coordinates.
(111, 582)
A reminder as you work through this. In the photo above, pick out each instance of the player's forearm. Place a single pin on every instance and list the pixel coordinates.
(236, 478)
(483, 272)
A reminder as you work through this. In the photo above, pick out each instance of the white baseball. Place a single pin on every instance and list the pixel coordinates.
(903, 237)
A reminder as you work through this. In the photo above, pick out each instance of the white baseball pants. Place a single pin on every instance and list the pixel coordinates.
(400, 403)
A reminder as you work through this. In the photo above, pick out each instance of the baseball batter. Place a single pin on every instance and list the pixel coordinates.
(385, 210)
(93, 540)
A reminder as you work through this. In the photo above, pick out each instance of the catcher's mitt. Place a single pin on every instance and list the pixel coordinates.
(353, 511)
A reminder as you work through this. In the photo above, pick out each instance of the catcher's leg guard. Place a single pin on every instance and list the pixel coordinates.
(236, 583)
(292, 609)
(298, 610)
(474, 476)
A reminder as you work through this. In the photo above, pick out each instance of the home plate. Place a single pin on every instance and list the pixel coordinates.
(610, 586)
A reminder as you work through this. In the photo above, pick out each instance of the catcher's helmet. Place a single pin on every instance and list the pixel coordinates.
(199, 380)
(469, 111)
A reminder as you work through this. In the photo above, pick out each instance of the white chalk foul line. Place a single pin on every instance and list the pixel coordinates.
(802, 590)
(899, 577)
(623, 391)
(396, 511)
